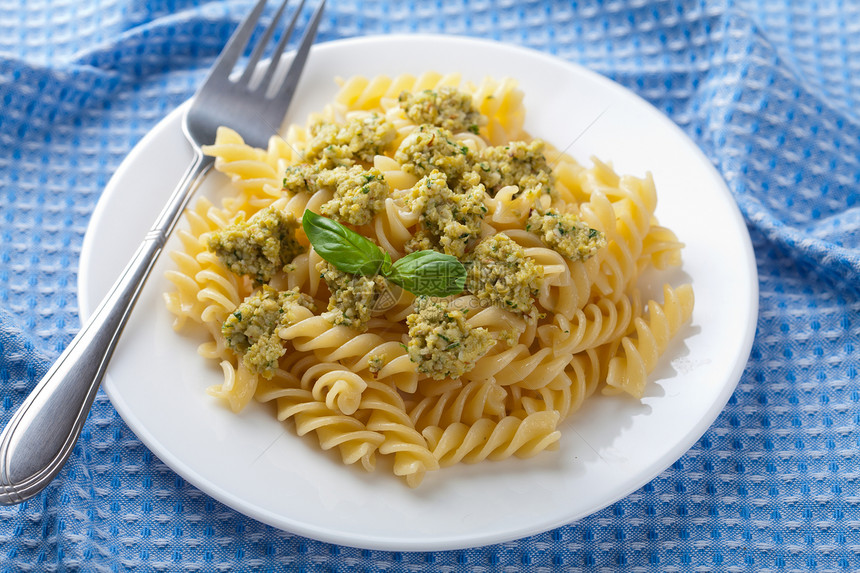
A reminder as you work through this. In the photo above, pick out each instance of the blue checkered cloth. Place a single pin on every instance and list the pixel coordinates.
(768, 89)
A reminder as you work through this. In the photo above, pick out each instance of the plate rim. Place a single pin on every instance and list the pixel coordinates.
(657, 466)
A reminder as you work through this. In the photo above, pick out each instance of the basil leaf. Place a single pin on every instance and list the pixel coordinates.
(342, 247)
(386, 265)
(429, 273)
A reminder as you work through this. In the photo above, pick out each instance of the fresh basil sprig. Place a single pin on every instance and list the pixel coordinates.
(428, 273)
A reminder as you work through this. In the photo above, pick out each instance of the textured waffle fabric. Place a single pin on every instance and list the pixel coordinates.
(768, 89)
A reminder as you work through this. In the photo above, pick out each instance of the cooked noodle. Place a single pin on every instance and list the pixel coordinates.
(358, 391)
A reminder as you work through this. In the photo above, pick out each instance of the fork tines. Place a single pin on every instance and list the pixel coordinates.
(238, 43)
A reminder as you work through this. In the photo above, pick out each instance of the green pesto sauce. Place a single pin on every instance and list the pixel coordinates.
(252, 329)
(446, 107)
(499, 273)
(441, 343)
(566, 234)
(258, 247)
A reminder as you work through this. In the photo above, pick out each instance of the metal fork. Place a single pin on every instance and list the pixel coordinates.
(40, 436)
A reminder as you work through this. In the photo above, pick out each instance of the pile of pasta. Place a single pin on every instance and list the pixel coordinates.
(594, 331)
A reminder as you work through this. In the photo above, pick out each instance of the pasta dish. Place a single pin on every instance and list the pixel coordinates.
(411, 276)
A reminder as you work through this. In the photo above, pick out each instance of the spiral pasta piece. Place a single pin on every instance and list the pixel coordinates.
(465, 403)
(254, 171)
(238, 387)
(660, 249)
(340, 344)
(397, 179)
(184, 302)
(360, 93)
(637, 356)
(355, 442)
(488, 439)
(412, 458)
(394, 227)
(592, 326)
(338, 387)
(567, 392)
(501, 102)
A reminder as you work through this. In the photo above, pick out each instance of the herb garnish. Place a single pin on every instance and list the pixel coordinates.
(428, 272)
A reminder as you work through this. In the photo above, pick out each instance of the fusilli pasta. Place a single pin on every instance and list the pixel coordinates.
(359, 391)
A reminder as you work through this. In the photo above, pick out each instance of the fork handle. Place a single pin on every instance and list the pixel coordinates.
(42, 433)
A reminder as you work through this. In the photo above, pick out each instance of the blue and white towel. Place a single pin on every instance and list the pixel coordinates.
(768, 89)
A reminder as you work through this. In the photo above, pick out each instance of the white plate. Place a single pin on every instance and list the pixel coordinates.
(613, 446)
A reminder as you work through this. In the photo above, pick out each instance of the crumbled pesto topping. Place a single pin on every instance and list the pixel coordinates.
(260, 246)
(251, 330)
(375, 363)
(429, 147)
(300, 178)
(565, 233)
(499, 273)
(446, 107)
(359, 193)
(441, 343)
(353, 297)
(517, 163)
(449, 220)
(359, 139)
